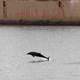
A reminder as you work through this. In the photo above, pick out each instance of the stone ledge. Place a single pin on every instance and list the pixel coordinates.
(39, 22)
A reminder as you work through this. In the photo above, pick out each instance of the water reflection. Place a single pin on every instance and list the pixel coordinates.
(38, 61)
(73, 63)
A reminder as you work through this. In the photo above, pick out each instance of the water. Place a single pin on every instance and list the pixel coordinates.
(62, 44)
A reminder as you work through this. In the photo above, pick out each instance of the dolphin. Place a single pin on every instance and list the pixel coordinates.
(36, 54)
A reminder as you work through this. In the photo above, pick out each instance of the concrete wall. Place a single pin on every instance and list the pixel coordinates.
(33, 10)
(1, 10)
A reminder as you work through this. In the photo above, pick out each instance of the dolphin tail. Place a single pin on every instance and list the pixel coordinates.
(48, 58)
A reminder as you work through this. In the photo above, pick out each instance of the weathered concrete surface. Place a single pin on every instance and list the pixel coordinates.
(33, 10)
(1, 10)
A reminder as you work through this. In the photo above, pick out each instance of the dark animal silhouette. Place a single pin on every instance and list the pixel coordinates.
(36, 54)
